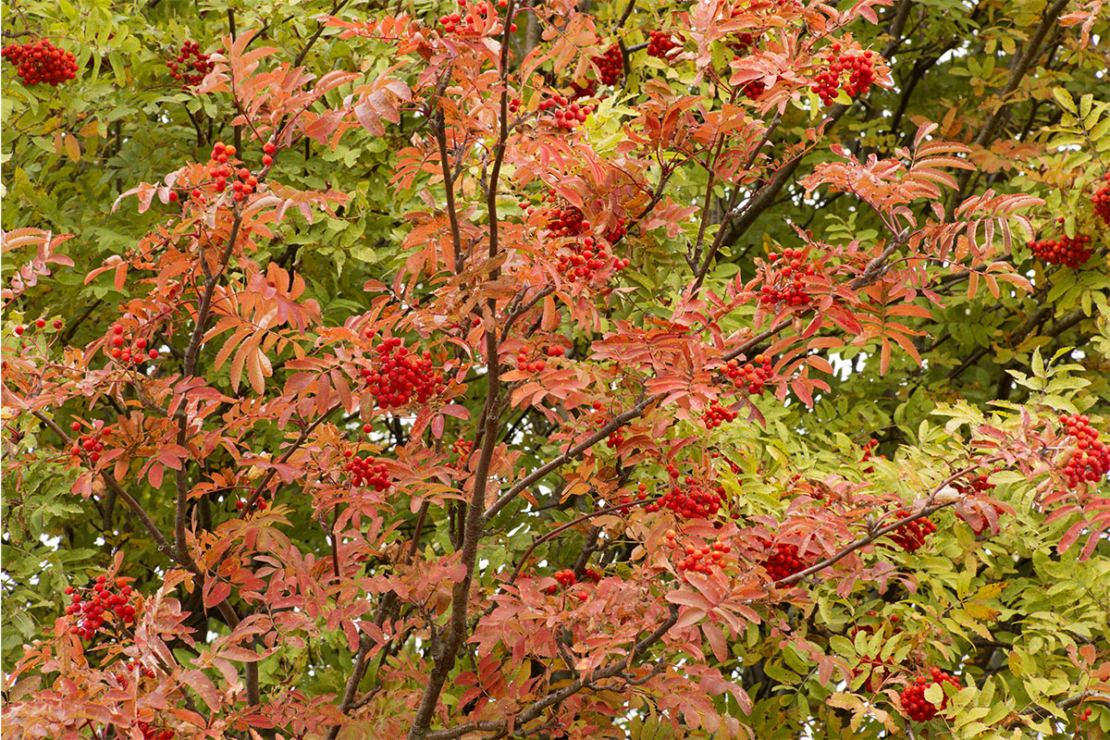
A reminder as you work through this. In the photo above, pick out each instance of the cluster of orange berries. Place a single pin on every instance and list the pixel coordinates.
(153, 733)
(917, 707)
(584, 259)
(39, 324)
(869, 448)
(189, 66)
(107, 598)
(641, 493)
(1091, 459)
(89, 444)
(754, 89)
(695, 501)
(462, 448)
(661, 43)
(564, 112)
(1070, 251)
(461, 24)
(751, 376)
(716, 415)
(566, 579)
(246, 182)
(401, 377)
(1101, 201)
(861, 75)
(525, 366)
(365, 473)
(912, 535)
(787, 281)
(563, 219)
(610, 65)
(699, 559)
(41, 61)
(132, 665)
(556, 350)
(783, 561)
(136, 353)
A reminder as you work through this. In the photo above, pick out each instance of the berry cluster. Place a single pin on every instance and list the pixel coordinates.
(617, 231)
(566, 579)
(1091, 459)
(751, 376)
(1084, 715)
(556, 350)
(917, 707)
(661, 43)
(189, 66)
(525, 366)
(130, 666)
(694, 502)
(39, 324)
(583, 259)
(41, 61)
(754, 89)
(461, 448)
(587, 90)
(245, 184)
(107, 598)
(861, 75)
(641, 492)
(912, 535)
(366, 473)
(566, 113)
(868, 449)
(716, 415)
(89, 444)
(610, 65)
(786, 283)
(783, 561)
(563, 219)
(465, 20)
(400, 377)
(1070, 251)
(153, 733)
(1101, 201)
(699, 560)
(137, 351)
(741, 42)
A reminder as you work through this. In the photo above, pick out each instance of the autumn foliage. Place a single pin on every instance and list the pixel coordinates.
(726, 368)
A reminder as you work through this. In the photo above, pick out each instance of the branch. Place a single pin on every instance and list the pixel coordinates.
(570, 525)
(475, 521)
(249, 506)
(871, 537)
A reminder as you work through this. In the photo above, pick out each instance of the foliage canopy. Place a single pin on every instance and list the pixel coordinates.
(730, 368)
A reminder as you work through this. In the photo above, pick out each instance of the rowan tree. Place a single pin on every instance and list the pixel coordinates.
(730, 368)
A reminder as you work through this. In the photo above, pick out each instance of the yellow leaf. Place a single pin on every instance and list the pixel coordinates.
(980, 611)
(73, 149)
